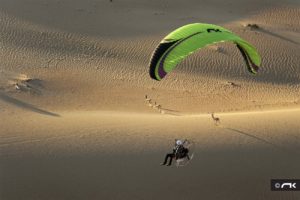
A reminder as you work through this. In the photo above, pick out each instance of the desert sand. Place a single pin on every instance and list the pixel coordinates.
(75, 122)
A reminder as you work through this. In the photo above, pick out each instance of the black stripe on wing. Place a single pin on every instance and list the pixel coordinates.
(250, 65)
(159, 51)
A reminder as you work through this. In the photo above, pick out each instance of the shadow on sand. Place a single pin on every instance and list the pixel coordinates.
(263, 140)
(277, 35)
(26, 106)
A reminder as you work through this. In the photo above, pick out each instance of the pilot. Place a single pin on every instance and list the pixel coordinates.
(179, 151)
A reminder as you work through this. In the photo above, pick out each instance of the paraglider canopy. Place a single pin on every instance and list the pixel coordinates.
(187, 39)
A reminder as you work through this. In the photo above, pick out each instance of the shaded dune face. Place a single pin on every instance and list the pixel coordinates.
(74, 150)
(130, 18)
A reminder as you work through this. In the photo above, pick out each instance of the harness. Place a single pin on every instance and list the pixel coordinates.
(180, 152)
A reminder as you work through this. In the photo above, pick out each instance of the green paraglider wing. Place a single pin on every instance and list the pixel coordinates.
(187, 39)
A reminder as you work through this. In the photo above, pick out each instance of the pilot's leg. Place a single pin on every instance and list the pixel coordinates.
(171, 159)
(169, 155)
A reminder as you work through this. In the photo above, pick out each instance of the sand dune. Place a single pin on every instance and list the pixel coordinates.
(75, 122)
(98, 63)
(108, 155)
